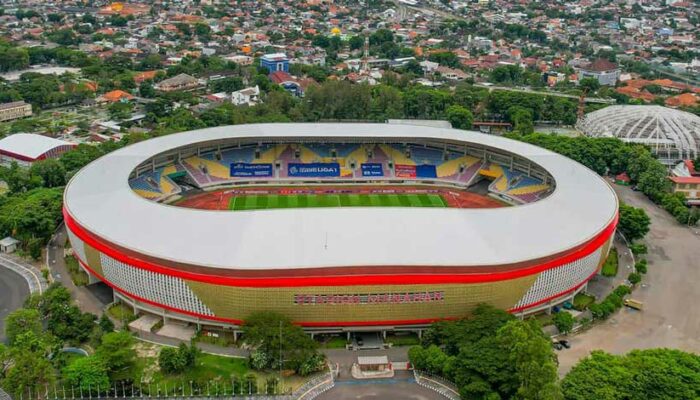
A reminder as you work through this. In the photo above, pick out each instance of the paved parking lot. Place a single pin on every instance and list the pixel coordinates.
(401, 387)
(669, 292)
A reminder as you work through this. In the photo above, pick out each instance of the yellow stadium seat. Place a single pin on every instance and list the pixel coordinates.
(215, 169)
(529, 189)
(147, 194)
(398, 156)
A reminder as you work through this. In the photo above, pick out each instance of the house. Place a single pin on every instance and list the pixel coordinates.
(145, 76)
(15, 110)
(8, 245)
(452, 74)
(607, 73)
(181, 82)
(275, 62)
(115, 96)
(685, 179)
(682, 100)
(249, 96)
(288, 82)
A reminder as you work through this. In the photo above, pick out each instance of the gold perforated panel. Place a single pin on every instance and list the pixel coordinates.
(458, 300)
(93, 259)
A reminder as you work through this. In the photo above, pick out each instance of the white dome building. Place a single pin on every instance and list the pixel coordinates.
(671, 134)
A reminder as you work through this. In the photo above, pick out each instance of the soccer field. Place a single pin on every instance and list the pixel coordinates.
(258, 202)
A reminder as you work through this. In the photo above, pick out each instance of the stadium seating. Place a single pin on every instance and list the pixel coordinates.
(513, 185)
(213, 168)
(155, 184)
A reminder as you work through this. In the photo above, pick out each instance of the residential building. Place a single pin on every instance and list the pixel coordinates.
(249, 96)
(685, 179)
(275, 62)
(182, 82)
(15, 110)
(606, 72)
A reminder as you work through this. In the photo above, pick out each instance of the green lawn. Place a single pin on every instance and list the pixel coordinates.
(121, 312)
(79, 277)
(404, 339)
(257, 202)
(582, 301)
(610, 265)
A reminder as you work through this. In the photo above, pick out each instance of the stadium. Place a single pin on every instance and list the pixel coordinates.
(338, 226)
(672, 135)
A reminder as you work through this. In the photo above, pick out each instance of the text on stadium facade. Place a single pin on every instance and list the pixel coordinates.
(379, 298)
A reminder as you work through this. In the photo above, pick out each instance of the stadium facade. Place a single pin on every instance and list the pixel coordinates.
(334, 267)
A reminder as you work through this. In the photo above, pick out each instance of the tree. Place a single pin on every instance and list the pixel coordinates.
(634, 278)
(641, 374)
(522, 119)
(147, 90)
(21, 321)
(356, 42)
(51, 172)
(530, 353)
(590, 84)
(106, 324)
(511, 74)
(116, 350)
(29, 368)
(31, 215)
(176, 360)
(564, 322)
(87, 373)
(491, 356)
(120, 110)
(230, 84)
(271, 334)
(459, 117)
(79, 157)
(634, 222)
(19, 179)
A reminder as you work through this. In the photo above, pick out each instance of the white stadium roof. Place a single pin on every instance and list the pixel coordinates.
(668, 132)
(99, 198)
(29, 145)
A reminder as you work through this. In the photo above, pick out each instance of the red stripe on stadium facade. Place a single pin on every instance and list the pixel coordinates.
(342, 280)
(324, 324)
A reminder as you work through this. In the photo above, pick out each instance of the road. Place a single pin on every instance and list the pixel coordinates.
(546, 93)
(15, 290)
(669, 292)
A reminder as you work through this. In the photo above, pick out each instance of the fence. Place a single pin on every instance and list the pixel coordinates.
(235, 389)
(435, 383)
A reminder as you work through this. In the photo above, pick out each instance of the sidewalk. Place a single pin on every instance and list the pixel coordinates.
(33, 276)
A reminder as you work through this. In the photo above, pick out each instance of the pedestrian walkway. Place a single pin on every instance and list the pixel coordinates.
(34, 278)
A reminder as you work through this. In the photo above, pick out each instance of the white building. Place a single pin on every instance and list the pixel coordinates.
(249, 96)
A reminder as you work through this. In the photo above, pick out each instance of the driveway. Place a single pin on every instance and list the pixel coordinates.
(669, 292)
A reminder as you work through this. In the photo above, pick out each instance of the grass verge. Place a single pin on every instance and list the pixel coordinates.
(610, 266)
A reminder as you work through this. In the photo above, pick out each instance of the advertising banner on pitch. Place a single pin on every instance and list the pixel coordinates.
(372, 169)
(245, 170)
(426, 171)
(405, 171)
(313, 169)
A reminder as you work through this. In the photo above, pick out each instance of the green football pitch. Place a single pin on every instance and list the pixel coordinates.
(258, 202)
